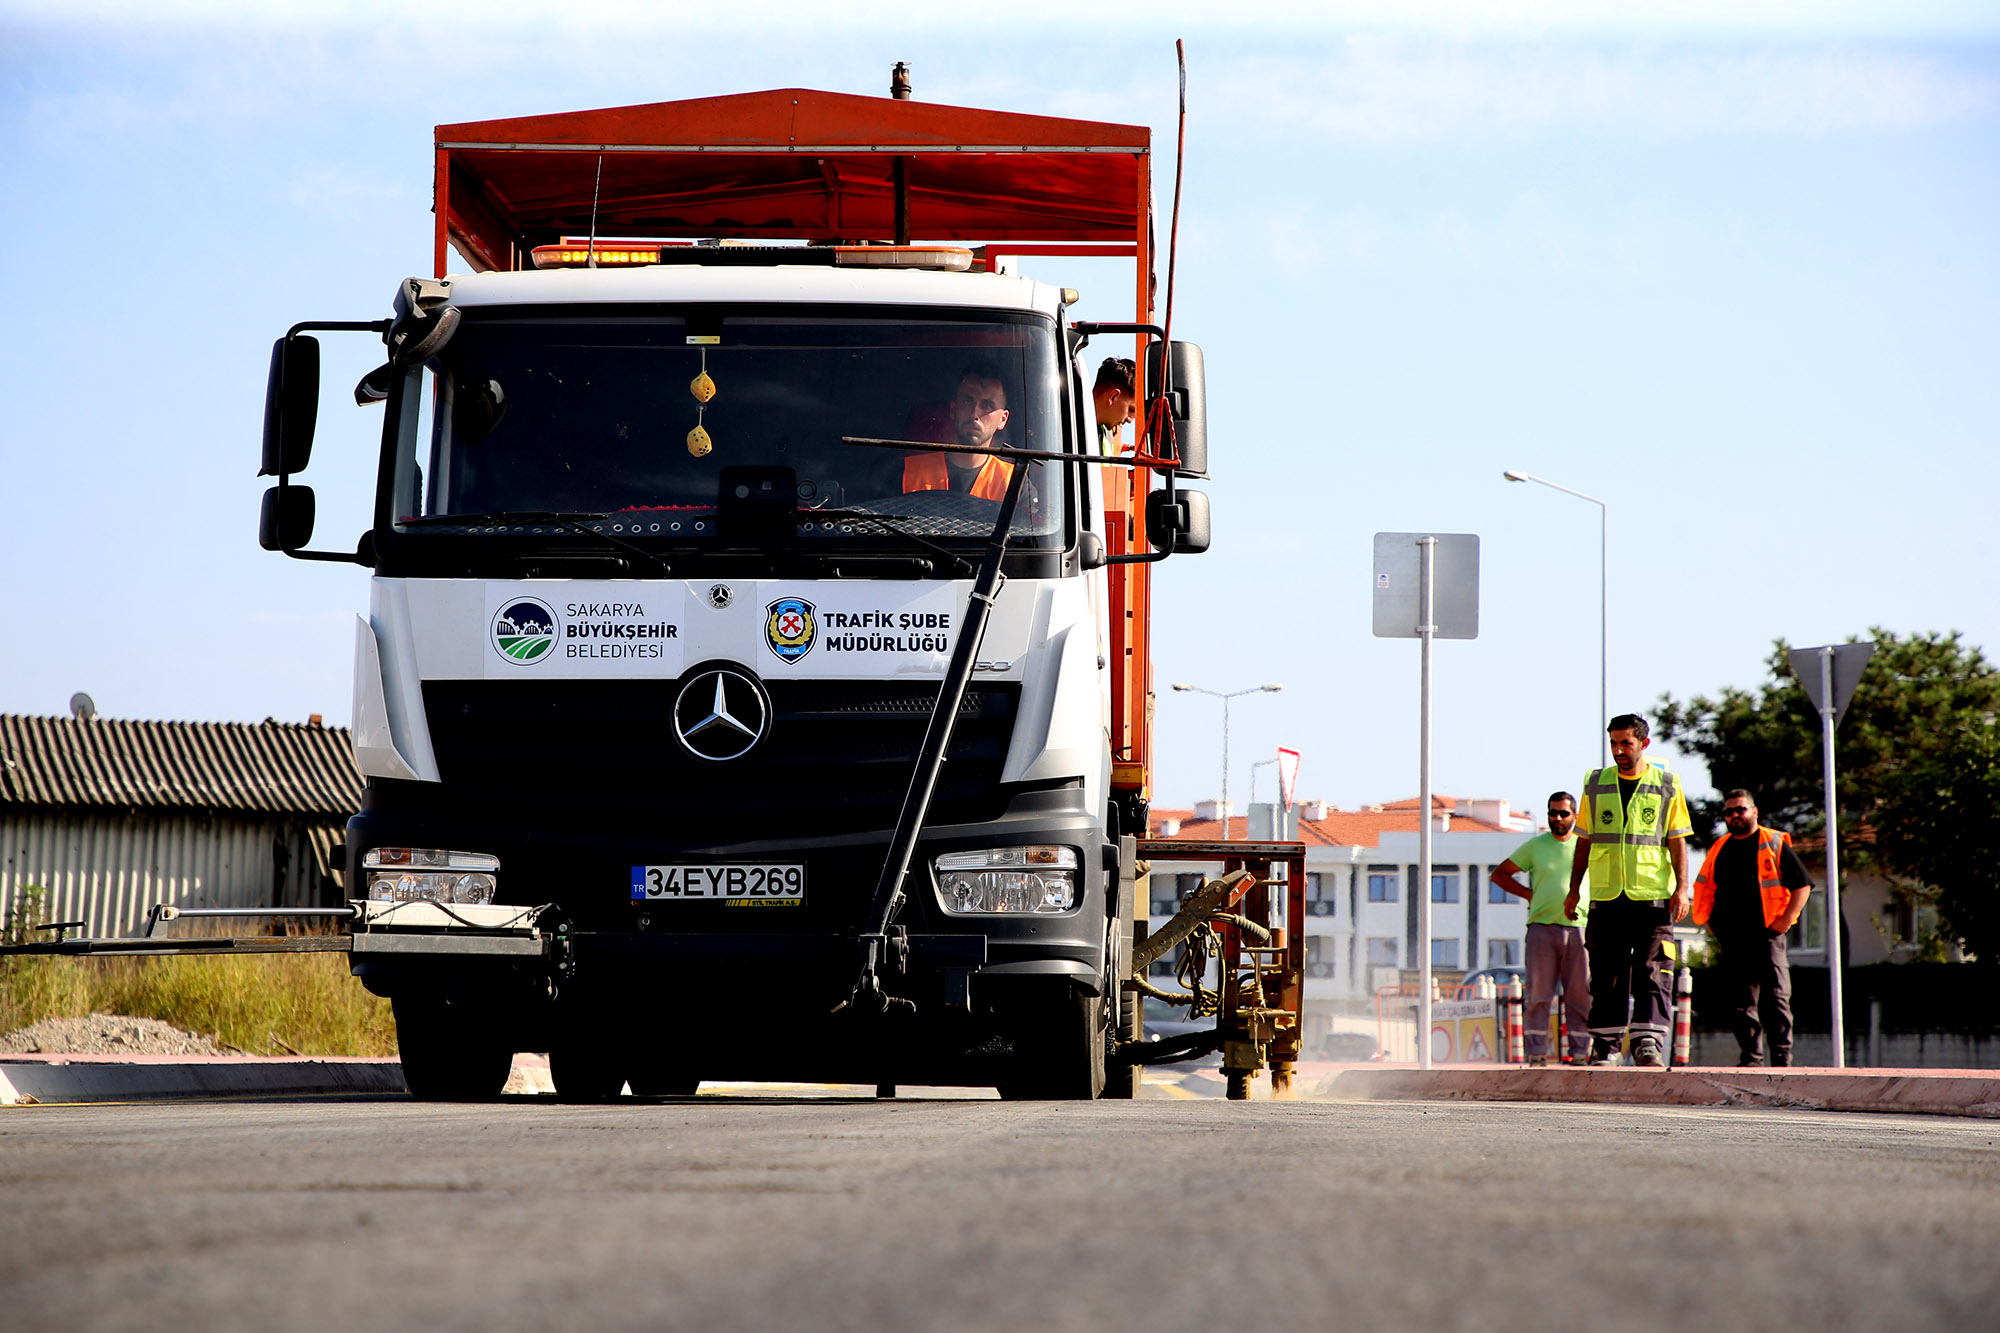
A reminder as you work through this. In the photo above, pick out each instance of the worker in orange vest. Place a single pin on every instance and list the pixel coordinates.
(1749, 894)
(978, 416)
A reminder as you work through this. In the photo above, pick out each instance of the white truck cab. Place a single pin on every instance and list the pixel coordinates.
(746, 688)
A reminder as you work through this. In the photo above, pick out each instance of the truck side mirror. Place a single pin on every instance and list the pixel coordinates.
(1187, 401)
(291, 406)
(1177, 521)
(286, 522)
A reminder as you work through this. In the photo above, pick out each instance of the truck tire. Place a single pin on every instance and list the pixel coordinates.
(447, 1055)
(661, 1076)
(585, 1065)
(1121, 1081)
(1059, 1052)
(664, 1085)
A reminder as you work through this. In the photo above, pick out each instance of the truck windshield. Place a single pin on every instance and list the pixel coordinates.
(628, 422)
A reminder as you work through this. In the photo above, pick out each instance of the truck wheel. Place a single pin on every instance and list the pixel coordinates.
(660, 1078)
(584, 1065)
(1059, 1052)
(1121, 1080)
(447, 1056)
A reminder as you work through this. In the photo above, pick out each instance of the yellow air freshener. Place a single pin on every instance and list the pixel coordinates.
(703, 389)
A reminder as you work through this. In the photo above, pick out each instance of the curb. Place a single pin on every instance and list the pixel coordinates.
(1896, 1092)
(28, 1080)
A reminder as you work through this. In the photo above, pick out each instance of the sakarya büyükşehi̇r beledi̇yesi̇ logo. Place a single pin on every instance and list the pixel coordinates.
(524, 631)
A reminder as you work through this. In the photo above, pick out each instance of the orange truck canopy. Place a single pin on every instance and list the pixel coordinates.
(790, 164)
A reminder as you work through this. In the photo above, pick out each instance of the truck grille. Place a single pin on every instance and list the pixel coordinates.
(838, 757)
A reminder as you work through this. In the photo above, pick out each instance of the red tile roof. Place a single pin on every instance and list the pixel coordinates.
(1340, 828)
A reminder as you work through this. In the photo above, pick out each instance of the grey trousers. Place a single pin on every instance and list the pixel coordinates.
(1556, 958)
(1757, 983)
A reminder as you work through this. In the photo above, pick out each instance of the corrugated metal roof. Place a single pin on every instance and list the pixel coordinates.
(240, 767)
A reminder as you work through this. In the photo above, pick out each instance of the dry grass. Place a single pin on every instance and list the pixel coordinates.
(265, 1004)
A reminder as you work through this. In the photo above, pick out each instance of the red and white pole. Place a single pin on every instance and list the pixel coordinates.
(1517, 1052)
(1683, 1015)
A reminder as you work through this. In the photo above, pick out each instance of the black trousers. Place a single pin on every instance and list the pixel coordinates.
(1627, 943)
(1757, 983)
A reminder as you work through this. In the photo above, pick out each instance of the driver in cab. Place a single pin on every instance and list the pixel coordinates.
(978, 417)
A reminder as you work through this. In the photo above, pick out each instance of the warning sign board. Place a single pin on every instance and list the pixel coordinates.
(1464, 1031)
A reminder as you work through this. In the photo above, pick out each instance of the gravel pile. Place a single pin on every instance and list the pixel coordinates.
(106, 1034)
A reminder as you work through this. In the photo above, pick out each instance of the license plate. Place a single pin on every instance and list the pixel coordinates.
(754, 884)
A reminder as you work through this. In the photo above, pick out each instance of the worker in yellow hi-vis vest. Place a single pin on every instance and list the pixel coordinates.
(1632, 844)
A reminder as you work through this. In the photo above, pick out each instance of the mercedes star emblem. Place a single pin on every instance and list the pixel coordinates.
(720, 714)
(719, 596)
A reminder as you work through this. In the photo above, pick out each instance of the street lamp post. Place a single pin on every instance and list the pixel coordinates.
(1603, 606)
(1277, 830)
(1226, 697)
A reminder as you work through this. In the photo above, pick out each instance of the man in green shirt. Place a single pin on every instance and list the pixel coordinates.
(1554, 950)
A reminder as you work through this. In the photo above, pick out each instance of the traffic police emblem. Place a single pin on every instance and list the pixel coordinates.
(791, 628)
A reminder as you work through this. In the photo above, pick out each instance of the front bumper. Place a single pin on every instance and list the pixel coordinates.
(584, 876)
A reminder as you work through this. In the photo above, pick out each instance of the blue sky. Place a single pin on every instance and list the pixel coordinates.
(1731, 268)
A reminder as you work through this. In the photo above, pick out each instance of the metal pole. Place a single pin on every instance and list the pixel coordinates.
(1603, 634)
(1826, 720)
(1225, 696)
(930, 758)
(1603, 605)
(1250, 802)
(1225, 768)
(1423, 887)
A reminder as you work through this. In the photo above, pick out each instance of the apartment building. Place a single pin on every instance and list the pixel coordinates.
(1361, 896)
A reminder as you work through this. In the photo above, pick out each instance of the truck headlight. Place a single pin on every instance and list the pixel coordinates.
(1007, 879)
(429, 875)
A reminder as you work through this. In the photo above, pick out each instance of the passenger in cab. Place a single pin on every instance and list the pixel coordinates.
(1115, 401)
(979, 414)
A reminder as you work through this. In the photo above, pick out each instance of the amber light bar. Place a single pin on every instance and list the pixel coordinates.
(572, 252)
(950, 259)
(578, 254)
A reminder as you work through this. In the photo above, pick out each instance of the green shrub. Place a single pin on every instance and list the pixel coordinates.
(264, 1004)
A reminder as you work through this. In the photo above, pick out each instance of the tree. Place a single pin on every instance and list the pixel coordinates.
(1938, 821)
(1897, 754)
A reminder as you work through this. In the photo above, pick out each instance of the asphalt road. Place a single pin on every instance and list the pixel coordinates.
(737, 1212)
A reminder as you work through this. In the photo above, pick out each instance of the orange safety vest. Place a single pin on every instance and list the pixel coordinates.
(930, 472)
(1770, 843)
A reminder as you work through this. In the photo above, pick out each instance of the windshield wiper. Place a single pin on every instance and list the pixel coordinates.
(501, 516)
(887, 523)
(575, 522)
